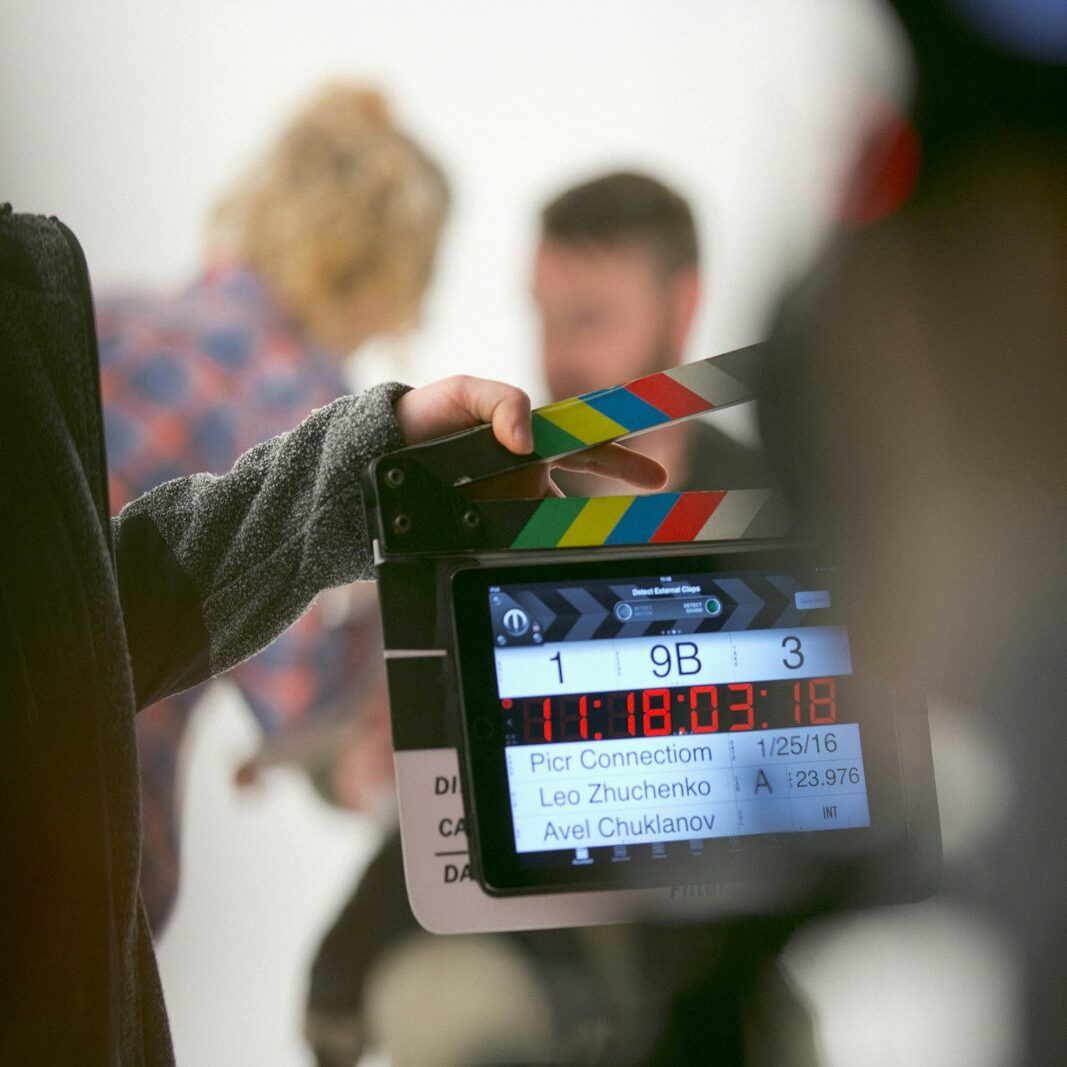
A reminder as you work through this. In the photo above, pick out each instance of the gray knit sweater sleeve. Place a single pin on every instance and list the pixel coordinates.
(256, 545)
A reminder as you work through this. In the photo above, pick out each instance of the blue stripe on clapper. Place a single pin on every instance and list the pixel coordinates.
(625, 408)
(642, 519)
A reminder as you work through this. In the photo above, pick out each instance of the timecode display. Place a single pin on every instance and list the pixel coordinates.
(657, 712)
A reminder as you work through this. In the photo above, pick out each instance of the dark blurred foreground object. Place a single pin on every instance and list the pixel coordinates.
(99, 617)
(658, 995)
(915, 407)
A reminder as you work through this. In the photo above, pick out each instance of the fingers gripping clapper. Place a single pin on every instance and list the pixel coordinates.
(626, 707)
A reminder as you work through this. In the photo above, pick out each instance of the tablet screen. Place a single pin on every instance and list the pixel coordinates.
(636, 714)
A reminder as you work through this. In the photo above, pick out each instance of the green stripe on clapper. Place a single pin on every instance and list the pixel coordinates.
(551, 440)
(549, 522)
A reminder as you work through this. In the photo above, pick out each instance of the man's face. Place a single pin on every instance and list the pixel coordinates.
(607, 316)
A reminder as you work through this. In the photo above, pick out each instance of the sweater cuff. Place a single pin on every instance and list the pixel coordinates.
(378, 404)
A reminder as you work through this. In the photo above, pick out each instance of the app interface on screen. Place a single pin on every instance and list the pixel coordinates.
(654, 709)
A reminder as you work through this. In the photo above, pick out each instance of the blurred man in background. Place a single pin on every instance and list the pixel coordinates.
(327, 241)
(617, 282)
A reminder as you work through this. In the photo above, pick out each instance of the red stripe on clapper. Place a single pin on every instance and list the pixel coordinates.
(674, 400)
(685, 520)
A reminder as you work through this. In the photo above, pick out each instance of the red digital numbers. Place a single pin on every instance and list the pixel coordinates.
(620, 714)
(745, 707)
(698, 709)
(583, 718)
(573, 711)
(821, 702)
(657, 720)
(704, 720)
(822, 706)
(536, 720)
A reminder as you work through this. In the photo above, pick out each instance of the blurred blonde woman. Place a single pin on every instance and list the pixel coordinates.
(328, 240)
(340, 219)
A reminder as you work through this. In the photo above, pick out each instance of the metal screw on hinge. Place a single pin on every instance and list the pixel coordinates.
(401, 524)
(394, 477)
(471, 519)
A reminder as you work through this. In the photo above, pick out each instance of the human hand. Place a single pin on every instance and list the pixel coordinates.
(462, 401)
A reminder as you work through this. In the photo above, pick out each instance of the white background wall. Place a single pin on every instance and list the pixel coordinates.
(126, 118)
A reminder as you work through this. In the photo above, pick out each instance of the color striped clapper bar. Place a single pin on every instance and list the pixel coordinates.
(418, 509)
(424, 527)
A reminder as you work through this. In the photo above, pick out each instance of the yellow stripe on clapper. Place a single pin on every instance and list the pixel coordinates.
(595, 521)
(582, 421)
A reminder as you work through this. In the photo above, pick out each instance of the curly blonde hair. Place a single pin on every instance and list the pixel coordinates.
(341, 218)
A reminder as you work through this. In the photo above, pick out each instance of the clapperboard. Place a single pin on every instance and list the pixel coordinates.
(616, 708)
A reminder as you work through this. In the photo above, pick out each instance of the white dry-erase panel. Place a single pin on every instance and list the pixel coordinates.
(447, 899)
(636, 791)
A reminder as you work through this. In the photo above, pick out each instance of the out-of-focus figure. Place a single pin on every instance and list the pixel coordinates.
(616, 283)
(101, 616)
(327, 241)
(916, 404)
